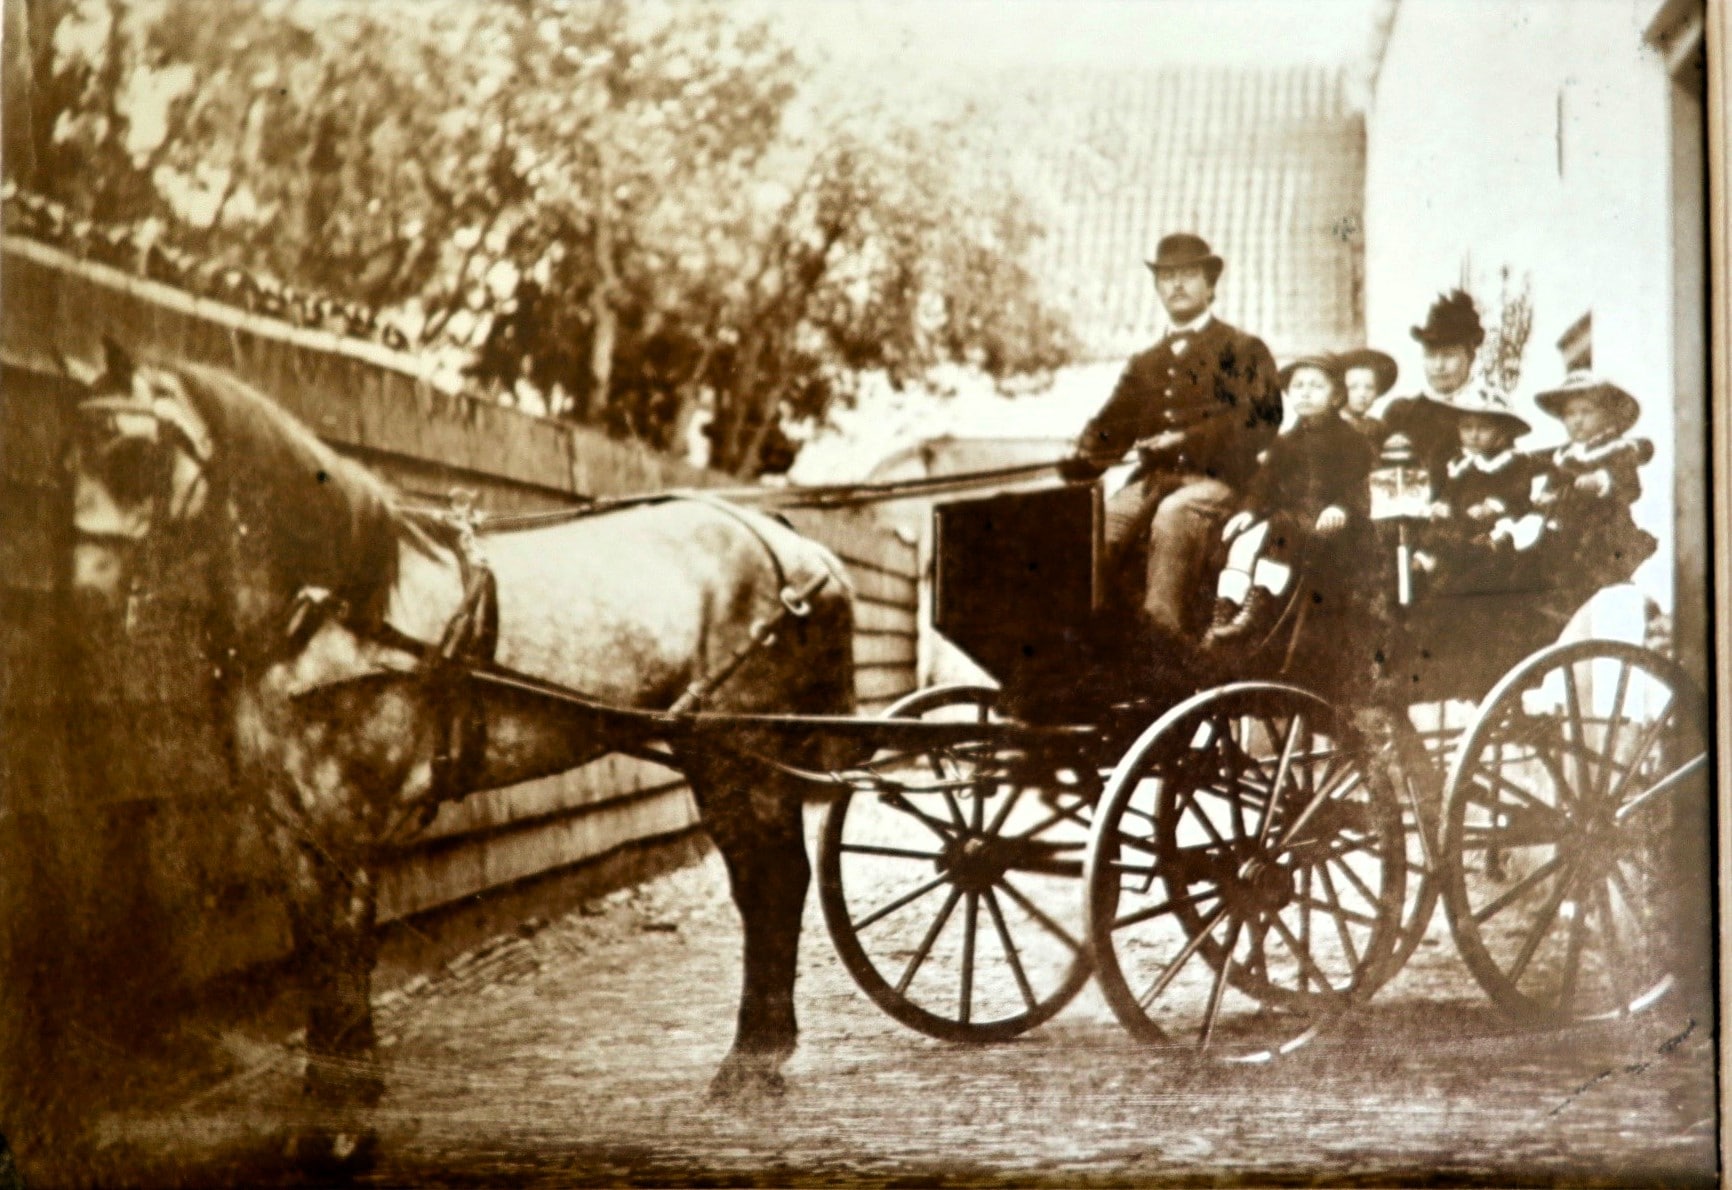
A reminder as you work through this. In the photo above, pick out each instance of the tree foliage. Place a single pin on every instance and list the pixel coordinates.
(634, 214)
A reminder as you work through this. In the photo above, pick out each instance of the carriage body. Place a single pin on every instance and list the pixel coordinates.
(1020, 585)
(1157, 825)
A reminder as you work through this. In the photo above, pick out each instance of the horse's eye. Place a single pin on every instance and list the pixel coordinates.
(127, 468)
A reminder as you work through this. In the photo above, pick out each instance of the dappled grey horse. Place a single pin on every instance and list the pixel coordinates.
(348, 629)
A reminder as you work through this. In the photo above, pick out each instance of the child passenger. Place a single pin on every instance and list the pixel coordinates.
(1483, 513)
(1368, 375)
(1590, 483)
(1311, 492)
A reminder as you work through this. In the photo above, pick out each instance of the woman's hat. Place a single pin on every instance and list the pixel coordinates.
(1623, 408)
(1182, 249)
(1452, 321)
(1485, 402)
(1329, 365)
(1382, 366)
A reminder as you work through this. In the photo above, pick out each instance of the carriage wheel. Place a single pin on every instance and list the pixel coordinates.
(1575, 820)
(959, 911)
(1245, 874)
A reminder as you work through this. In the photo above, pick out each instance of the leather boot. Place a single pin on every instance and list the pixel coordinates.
(1251, 618)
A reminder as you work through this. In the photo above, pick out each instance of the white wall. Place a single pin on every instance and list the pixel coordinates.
(1463, 172)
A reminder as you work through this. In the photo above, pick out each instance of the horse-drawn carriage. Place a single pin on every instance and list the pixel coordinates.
(1241, 857)
(1237, 861)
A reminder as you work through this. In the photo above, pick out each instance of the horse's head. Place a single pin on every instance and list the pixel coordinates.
(137, 459)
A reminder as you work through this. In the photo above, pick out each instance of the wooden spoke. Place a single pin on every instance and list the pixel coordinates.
(1189, 899)
(957, 818)
(1609, 749)
(1306, 962)
(901, 902)
(1003, 812)
(1644, 745)
(1283, 769)
(1336, 916)
(1186, 953)
(1485, 778)
(925, 947)
(1546, 919)
(1573, 954)
(1334, 908)
(1219, 987)
(1577, 734)
(1508, 838)
(1039, 915)
(1354, 879)
(944, 830)
(1684, 772)
(890, 852)
(970, 921)
(1010, 952)
(1518, 890)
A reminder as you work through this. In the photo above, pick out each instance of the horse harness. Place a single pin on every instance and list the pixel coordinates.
(470, 640)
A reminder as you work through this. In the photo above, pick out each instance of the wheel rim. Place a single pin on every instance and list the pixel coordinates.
(1576, 811)
(1246, 873)
(958, 912)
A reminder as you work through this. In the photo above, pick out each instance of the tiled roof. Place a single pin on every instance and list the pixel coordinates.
(1268, 165)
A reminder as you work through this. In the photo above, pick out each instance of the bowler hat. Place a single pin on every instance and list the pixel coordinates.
(1481, 401)
(1623, 408)
(1452, 321)
(1329, 365)
(1382, 366)
(1182, 249)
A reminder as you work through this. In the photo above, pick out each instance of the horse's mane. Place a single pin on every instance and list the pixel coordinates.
(321, 519)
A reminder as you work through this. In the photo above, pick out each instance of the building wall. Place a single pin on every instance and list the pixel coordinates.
(1532, 134)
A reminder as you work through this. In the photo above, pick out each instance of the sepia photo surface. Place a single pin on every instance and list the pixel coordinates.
(788, 592)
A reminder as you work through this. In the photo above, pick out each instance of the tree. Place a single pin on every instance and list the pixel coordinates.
(637, 214)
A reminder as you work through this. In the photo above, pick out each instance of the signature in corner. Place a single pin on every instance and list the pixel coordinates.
(1665, 1047)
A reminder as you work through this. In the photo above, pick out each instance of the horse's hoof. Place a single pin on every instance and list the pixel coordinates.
(331, 1153)
(747, 1080)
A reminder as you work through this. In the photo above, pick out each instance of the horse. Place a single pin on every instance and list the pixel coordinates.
(345, 624)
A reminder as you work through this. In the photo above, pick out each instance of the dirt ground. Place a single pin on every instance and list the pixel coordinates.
(577, 1052)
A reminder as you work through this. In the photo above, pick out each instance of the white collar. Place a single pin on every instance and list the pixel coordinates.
(1192, 327)
(1464, 463)
(1586, 452)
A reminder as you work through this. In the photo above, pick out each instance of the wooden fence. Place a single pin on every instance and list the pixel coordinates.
(126, 866)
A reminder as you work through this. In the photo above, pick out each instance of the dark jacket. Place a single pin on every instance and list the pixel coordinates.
(1619, 459)
(1464, 487)
(1593, 537)
(1217, 385)
(1312, 466)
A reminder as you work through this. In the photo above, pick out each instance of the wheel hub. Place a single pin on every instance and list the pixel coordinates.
(1261, 884)
(973, 863)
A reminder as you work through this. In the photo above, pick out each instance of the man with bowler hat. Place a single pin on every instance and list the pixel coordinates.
(1198, 406)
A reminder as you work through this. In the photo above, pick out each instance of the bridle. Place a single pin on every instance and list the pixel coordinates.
(170, 431)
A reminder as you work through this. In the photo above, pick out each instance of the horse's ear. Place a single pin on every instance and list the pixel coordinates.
(117, 365)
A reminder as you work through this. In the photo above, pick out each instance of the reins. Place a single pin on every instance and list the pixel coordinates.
(769, 499)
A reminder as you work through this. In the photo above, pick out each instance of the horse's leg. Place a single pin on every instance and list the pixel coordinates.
(755, 822)
(332, 912)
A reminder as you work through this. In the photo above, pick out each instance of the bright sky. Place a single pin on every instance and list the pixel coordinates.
(1069, 32)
